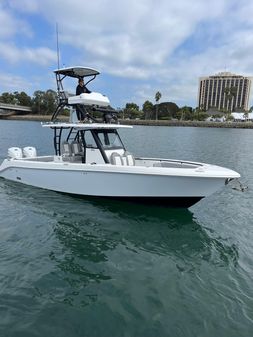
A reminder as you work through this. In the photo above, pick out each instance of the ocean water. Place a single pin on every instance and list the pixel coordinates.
(75, 267)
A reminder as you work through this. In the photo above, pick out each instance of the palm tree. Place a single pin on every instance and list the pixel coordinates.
(147, 108)
(158, 96)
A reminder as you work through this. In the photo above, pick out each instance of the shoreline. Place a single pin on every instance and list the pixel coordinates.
(234, 125)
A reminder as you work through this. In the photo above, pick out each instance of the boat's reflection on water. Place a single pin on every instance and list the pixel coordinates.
(161, 230)
(97, 240)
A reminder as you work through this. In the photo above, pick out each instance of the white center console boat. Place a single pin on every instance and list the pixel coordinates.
(90, 159)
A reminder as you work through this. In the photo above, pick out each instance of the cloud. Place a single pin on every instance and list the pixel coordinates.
(41, 56)
(10, 25)
(11, 83)
(132, 33)
(141, 33)
(7, 24)
(27, 6)
(165, 45)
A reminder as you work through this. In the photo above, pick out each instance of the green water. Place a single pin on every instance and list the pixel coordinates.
(77, 267)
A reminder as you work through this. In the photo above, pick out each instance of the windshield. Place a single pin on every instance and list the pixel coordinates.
(109, 139)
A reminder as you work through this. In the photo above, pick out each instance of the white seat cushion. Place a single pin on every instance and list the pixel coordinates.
(116, 159)
(130, 159)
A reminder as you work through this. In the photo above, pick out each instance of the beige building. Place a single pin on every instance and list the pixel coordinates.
(224, 91)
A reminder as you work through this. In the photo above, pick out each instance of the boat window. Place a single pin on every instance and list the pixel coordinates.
(109, 139)
(89, 140)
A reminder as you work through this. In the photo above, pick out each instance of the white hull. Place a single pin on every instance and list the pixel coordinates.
(119, 181)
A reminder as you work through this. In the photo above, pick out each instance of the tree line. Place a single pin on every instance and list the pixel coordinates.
(161, 111)
(45, 103)
(42, 102)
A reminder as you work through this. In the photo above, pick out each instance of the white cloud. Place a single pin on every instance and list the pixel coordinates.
(11, 83)
(7, 24)
(128, 32)
(28, 6)
(10, 25)
(165, 44)
(41, 56)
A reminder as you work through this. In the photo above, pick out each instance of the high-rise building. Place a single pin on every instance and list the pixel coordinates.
(224, 91)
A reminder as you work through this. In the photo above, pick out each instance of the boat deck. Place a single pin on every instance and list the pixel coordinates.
(137, 162)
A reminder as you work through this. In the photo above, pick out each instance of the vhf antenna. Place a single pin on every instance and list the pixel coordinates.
(57, 45)
(58, 76)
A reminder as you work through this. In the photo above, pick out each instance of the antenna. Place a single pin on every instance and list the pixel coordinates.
(57, 45)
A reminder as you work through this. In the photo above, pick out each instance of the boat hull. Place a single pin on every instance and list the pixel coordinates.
(145, 185)
(175, 202)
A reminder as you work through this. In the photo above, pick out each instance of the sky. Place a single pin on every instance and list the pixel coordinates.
(139, 47)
